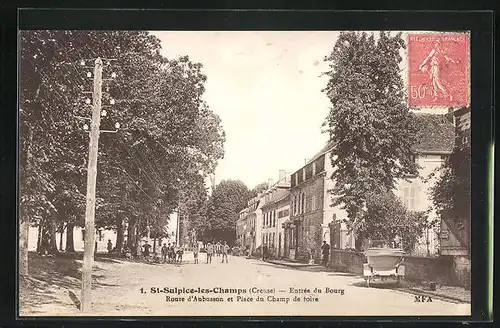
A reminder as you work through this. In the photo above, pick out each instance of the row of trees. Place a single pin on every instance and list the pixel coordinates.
(217, 219)
(170, 140)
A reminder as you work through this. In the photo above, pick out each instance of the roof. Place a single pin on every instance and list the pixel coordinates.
(436, 133)
(326, 148)
(278, 200)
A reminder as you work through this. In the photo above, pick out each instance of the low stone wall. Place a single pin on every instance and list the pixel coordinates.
(347, 261)
(445, 270)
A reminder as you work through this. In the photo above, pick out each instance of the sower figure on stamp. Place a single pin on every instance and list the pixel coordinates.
(325, 251)
(435, 60)
(225, 250)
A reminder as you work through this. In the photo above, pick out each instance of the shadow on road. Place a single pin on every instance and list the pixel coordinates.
(309, 268)
(51, 276)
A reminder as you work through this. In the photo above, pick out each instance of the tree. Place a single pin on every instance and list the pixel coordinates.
(166, 130)
(224, 205)
(387, 220)
(263, 186)
(369, 124)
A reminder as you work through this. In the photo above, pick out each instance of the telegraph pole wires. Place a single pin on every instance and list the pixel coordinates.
(88, 253)
(89, 242)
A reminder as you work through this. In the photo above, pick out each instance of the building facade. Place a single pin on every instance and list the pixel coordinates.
(253, 221)
(311, 210)
(455, 237)
(242, 230)
(275, 211)
(436, 139)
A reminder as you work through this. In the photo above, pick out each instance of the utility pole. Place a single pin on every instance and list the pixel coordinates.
(88, 254)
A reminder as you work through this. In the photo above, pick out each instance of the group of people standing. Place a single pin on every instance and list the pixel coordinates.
(220, 249)
(171, 253)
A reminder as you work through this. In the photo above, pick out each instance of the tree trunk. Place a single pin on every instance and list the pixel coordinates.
(23, 246)
(130, 234)
(119, 234)
(52, 247)
(39, 239)
(70, 245)
(60, 240)
(154, 245)
(25, 222)
(44, 239)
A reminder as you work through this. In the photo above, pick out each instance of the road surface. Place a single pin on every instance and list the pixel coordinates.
(243, 286)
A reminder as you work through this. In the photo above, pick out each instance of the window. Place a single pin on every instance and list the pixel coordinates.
(303, 203)
(313, 203)
(309, 171)
(320, 164)
(410, 196)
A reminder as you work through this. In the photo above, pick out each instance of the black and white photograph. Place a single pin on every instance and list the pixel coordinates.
(244, 173)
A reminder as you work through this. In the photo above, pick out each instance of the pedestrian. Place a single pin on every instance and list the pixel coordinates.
(110, 246)
(325, 251)
(195, 252)
(164, 252)
(225, 250)
(264, 252)
(210, 251)
(146, 251)
(218, 248)
(171, 253)
(95, 249)
(180, 252)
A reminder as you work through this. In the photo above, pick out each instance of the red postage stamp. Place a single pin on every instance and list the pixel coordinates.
(438, 69)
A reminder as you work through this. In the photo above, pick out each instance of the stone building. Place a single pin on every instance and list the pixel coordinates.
(311, 211)
(275, 211)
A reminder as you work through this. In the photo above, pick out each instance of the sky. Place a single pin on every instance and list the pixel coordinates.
(266, 88)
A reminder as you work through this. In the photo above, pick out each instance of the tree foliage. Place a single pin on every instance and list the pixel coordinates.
(451, 194)
(224, 205)
(369, 124)
(169, 136)
(386, 219)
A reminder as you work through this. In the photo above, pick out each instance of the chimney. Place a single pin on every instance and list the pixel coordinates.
(270, 182)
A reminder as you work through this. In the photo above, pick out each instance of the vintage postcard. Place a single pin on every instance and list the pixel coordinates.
(244, 173)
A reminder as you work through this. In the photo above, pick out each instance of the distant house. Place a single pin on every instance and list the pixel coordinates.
(243, 230)
(253, 221)
(275, 211)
